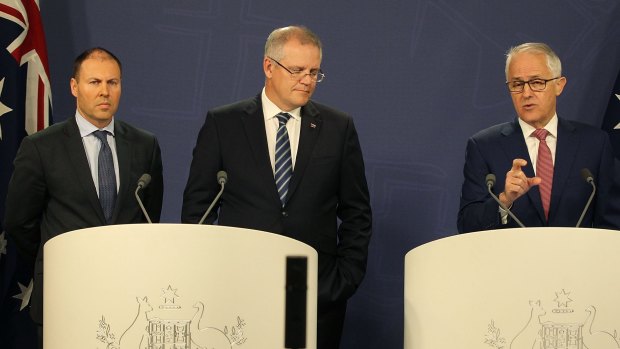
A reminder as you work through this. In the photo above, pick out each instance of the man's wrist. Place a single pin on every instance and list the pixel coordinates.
(504, 200)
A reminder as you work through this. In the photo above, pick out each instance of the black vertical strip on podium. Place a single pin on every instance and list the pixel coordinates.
(296, 299)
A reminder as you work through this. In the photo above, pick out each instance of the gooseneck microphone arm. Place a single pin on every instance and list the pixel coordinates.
(587, 176)
(222, 177)
(490, 179)
(143, 182)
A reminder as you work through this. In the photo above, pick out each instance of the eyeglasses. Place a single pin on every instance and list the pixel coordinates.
(538, 85)
(298, 75)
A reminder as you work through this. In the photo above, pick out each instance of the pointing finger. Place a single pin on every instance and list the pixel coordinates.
(517, 164)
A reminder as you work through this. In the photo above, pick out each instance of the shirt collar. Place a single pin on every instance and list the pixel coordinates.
(86, 128)
(551, 127)
(270, 110)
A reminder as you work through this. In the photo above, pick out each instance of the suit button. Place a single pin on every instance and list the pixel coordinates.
(284, 214)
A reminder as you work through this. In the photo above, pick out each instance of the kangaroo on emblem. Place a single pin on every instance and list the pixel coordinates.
(134, 336)
(530, 336)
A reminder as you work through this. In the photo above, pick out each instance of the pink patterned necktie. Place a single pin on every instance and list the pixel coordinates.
(544, 169)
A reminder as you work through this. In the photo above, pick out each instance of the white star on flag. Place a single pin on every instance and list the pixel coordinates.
(3, 108)
(617, 127)
(25, 294)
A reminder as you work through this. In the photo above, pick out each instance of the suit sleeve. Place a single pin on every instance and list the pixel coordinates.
(355, 215)
(478, 211)
(155, 191)
(607, 204)
(202, 187)
(25, 201)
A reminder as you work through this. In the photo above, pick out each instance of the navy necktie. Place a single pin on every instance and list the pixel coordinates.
(107, 177)
(284, 163)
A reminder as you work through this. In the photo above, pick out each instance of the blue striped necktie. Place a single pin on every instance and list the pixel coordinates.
(107, 176)
(284, 164)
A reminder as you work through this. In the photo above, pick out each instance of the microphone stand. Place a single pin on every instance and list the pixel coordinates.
(490, 182)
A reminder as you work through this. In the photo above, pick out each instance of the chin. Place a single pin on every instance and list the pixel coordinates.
(303, 101)
(538, 121)
(104, 118)
(530, 116)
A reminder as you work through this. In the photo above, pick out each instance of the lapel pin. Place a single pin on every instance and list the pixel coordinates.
(312, 125)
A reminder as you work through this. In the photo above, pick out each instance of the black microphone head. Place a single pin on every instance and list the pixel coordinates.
(222, 177)
(587, 175)
(490, 179)
(144, 180)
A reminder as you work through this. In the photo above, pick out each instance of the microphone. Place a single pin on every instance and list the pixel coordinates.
(490, 179)
(587, 176)
(143, 182)
(222, 178)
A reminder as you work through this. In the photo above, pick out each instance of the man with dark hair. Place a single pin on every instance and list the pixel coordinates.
(538, 157)
(82, 172)
(294, 168)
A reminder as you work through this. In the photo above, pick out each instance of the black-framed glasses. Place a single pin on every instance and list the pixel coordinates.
(537, 85)
(315, 75)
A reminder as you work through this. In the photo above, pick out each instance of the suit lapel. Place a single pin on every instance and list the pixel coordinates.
(123, 153)
(566, 148)
(515, 147)
(254, 127)
(77, 156)
(310, 129)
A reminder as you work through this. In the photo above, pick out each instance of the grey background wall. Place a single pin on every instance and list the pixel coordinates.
(419, 77)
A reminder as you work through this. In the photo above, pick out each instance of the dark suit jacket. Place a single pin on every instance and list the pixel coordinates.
(579, 146)
(328, 183)
(52, 191)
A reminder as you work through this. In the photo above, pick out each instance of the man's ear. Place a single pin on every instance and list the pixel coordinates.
(74, 87)
(559, 85)
(268, 67)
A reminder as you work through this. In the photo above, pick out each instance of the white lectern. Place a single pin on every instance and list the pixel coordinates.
(164, 286)
(515, 288)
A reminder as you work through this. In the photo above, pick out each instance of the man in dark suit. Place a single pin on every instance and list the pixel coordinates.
(56, 186)
(258, 145)
(544, 154)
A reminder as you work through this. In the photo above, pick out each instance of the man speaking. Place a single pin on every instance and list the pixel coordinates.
(545, 166)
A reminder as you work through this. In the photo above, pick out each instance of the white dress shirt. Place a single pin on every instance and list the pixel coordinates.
(293, 126)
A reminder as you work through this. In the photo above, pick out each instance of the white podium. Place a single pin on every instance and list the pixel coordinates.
(529, 288)
(161, 286)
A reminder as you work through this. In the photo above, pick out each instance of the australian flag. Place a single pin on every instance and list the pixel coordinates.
(611, 122)
(25, 101)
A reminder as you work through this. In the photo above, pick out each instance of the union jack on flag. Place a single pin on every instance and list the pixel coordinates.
(25, 108)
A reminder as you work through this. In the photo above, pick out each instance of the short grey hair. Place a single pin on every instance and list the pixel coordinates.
(279, 37)
(553, 61)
